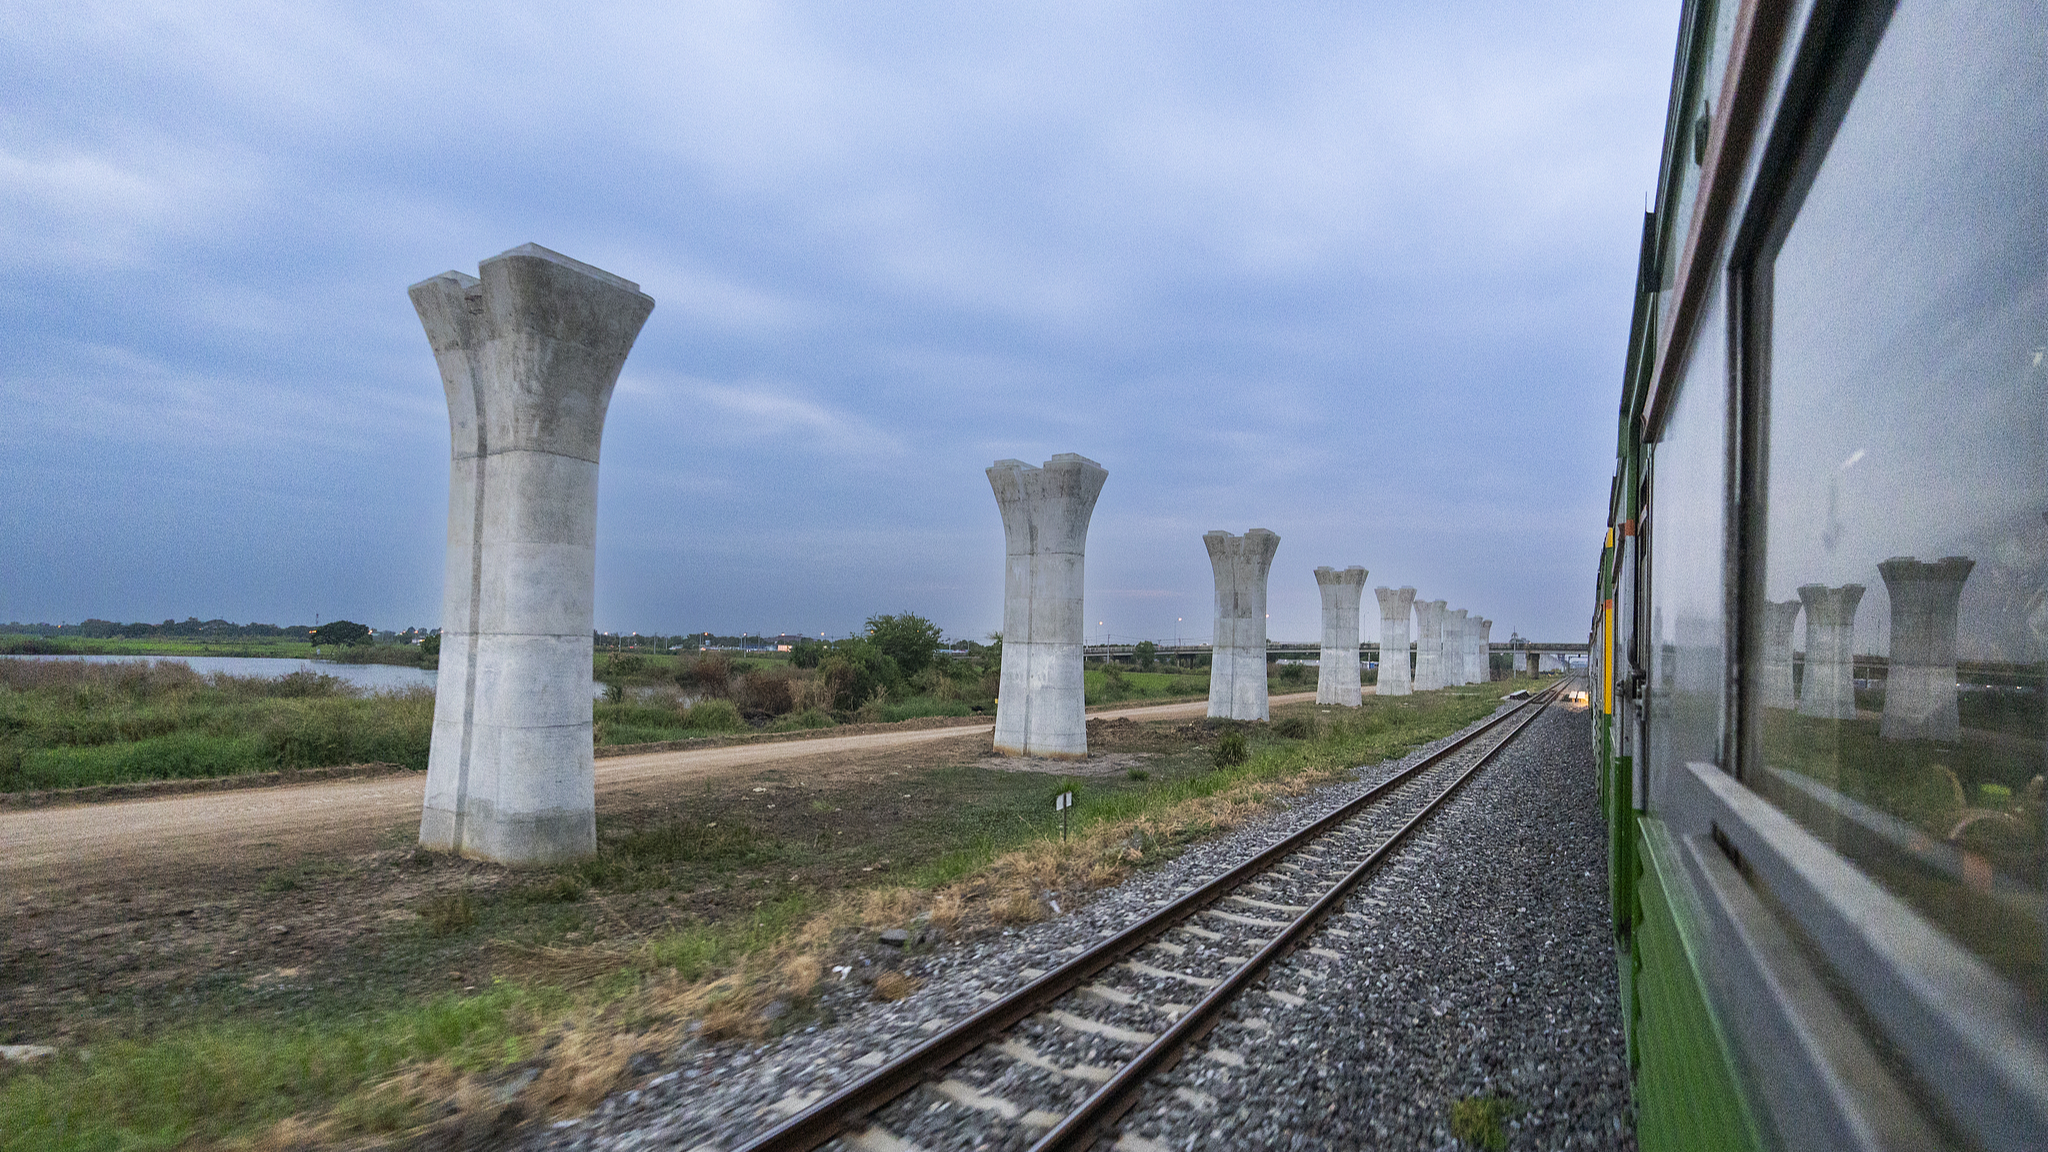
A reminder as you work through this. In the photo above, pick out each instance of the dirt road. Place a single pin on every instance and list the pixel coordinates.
(46, 847)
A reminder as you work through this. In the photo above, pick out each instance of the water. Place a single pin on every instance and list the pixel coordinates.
(375, 677)
(372, 677)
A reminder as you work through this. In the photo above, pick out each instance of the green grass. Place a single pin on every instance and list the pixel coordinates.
(1481, 1121)
(280, 647)
(67, 724)
(1102, 688)
(209, 1082)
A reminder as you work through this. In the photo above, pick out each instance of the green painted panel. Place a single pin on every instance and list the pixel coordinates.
(1687, 1092)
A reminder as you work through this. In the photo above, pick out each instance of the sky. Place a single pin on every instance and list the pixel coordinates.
(1356, 273)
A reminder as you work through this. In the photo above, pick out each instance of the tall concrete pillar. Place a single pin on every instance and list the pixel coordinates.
(1237, 673)
(1041, 709)
(1337, 678)
(1482, 651)
(1920, 692)
(1457, 648)
(1775, 682)
(1396, 605)
(1829, 687)
(528, 355)
(1429, 645)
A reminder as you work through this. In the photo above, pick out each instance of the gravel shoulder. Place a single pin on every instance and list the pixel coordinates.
(1475, 966)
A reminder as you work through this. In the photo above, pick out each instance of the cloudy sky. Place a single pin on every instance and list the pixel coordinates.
(1358, 273)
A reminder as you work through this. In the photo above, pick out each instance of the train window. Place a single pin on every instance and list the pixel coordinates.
(1902, 714)
(1687, 475)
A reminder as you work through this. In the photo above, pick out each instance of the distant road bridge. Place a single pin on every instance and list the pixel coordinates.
(1524, 654)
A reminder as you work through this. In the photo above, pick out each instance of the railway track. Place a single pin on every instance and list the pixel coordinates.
(1053, 1065)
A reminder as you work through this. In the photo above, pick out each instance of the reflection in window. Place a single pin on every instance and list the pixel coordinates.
(1906, 569)
(1685, 540)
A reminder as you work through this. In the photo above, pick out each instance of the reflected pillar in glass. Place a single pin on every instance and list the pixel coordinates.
(1337, 664)
(1920, 691)
(1828, 689)
(1429, 645)
(1396, 605)
(1775, 684)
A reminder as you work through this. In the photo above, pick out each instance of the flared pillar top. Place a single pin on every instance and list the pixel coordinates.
(1046, 510)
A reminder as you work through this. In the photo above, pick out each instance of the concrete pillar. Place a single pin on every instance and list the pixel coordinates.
(1920, 689)
(1457, 650)
(1237, 674)
(1775, 685)
(1482, 650)
(528, 355)
(1396, 605)
(1829, 688)
(1041, 705)
(1429, 645)
(1337, 678)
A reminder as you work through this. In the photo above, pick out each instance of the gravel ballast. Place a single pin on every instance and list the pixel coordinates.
(1475, 965)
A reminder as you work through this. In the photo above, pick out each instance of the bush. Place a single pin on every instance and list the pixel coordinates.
(710, 672)
(770, 692)
(806, 653)
(910, 640)
(715, 716)
(1231, 749)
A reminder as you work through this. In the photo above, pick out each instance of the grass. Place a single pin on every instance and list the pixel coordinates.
(218, 1081)
(279, 647)
(602, 972)
(68, 724)
(1481, 1121)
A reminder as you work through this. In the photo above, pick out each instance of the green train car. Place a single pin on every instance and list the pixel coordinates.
(1821, 615)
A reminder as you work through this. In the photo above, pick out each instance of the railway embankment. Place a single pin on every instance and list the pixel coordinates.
(1465, 991)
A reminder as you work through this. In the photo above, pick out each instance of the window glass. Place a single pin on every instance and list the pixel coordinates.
(1906, 566)
(1688, 465)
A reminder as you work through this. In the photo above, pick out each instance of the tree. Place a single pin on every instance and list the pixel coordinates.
(910, 640)
(1146, 651)
(346, 632)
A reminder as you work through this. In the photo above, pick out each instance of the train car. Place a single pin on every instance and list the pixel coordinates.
(1821, 612)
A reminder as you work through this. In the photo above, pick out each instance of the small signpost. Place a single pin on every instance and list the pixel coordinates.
(1065, 801)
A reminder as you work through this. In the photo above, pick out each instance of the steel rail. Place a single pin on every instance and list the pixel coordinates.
(1085, 1124)
(841, 1110)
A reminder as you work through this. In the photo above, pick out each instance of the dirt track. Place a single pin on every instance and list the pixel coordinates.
(62, 847)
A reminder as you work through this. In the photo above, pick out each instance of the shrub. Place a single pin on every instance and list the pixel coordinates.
(715, 716)
(806, 653)
(1231, 749)
(908, 639)
(710, 672)
(768, 692)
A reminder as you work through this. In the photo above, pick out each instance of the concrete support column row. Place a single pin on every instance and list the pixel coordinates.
(1337, 667)
(528, 351)
(1396, 605)
(1041, 706)
(1237, 669)
(1482, 652)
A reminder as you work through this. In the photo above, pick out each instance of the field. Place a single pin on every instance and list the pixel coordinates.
(66, 724)
(377, 996)
(278, 647)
